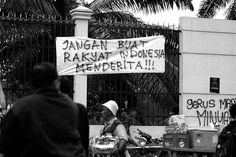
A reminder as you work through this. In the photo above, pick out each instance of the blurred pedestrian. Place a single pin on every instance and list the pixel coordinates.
(3, 105)
(66, 87)
(44, 123)
(226, 145)
(2, 97)
(173, 111)
(114, 127)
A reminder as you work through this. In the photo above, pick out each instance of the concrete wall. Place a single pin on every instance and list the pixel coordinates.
(208, 50)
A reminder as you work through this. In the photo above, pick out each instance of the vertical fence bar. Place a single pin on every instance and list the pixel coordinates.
(24, 42)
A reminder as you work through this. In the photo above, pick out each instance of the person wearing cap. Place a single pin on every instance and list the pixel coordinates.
(114, 127)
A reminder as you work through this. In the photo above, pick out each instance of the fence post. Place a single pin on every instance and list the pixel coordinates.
(81, 15)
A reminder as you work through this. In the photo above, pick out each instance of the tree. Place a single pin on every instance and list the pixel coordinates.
(140, 83)
(151, 6)
(43, 7)
(106, 11)
(60, 7)
(209, 8)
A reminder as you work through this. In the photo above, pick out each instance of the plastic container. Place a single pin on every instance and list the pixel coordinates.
(203, 138)
(180, 140)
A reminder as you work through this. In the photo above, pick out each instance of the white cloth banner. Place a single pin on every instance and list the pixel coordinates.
(76, 55)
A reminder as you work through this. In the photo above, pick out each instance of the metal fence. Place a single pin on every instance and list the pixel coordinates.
(25, 40)
(144, 99)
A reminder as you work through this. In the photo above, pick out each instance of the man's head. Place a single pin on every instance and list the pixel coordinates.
(65, 85)
(232, 111)
(43, 75)
(110, 109)
(174, 111)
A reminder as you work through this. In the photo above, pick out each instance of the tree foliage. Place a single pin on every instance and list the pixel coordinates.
(151, 6)
(104, 11)
(209, 8)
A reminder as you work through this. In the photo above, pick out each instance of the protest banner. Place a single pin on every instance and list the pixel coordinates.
(77, 55)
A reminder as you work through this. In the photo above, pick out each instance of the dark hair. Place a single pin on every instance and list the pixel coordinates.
(65, 85)
(43, 75)
(232, 110)
(174, 111)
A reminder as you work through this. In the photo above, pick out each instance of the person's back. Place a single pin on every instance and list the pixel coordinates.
(66, 87)
(226, 146)
(2, 97)
(43, 123)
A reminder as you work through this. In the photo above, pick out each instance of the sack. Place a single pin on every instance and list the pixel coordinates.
(226, 143)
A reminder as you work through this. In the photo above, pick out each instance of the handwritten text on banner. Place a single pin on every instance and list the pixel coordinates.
(77, 55)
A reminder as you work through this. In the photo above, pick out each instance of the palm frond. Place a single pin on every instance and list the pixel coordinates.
(151, 6)
(231, 11)
(208, 8)
(115, 16)
(42, 6)
(111, 18)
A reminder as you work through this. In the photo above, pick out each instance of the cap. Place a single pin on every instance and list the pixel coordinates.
(112, 106)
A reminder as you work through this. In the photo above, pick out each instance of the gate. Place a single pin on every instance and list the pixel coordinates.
(25, 40)
(143, 98)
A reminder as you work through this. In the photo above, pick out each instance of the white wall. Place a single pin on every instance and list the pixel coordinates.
(208, 49)
(154, 131)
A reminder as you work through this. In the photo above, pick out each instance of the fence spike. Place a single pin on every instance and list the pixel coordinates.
(14, 15)
(20, 16)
